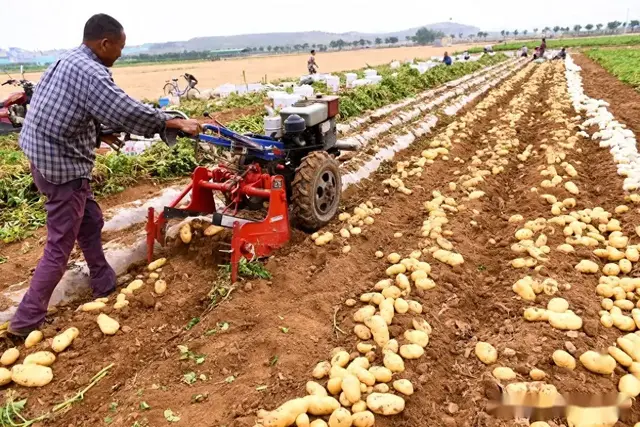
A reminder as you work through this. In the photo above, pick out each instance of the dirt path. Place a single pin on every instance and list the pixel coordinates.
(147, 81)
(257, 348)
(599, 84)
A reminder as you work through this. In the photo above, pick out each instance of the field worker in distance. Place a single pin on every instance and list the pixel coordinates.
(524, 52)
(61, 130)
(562, 54)
(311, 63)
(467, 56)
(447, 59)
(191, 80)
(543, 47)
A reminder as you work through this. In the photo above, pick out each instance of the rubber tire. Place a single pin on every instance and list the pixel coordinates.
(304, 186)
(169, 89)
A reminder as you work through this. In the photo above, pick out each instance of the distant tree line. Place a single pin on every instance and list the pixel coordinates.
(612, 27)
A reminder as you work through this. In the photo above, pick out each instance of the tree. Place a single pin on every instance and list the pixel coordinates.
(507, 33)
(525, 32)
(269, 48)
(355, 43)
(589, 27)
(313, 46)
(502, 32)
(276, 49)
(460, 35)
(546, 29)
(261, 49)
(426, 36)
(378, 40)
(480, 34)
(362, 42)
(535, 31)
(515, 33)
(368, 42)
(598, 26)
(613, 26)
(393, 40)
(556, 29)
(634, 24)
(577, 28)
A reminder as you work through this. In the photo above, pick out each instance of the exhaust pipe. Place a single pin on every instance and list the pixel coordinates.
(270, 111)
(346, 145)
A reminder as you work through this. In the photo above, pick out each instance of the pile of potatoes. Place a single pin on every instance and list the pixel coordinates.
(356, 388)
(354, 223)
(186, 230)
(433, 229)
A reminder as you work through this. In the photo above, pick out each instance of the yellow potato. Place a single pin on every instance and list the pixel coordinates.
(391, 345)
(565, 321)
(379, 329)
(402, 282)
(315, 389)
(303, 420)
(286, 414)
(351, 388)
(394, 258)
(421, 325)
(629, 385)
(120, 304)
(392, 292)
(386, 308)
(504, 374)
(31, 375)
(587, 266)
(319, 423)
(403, 386)
(486, 353)
(107, 325)
(334, 385)
(362, 332)
(160, 287)
(359, 406)
(621, 357)
(5, 376)
(340, 418)
(417, 337)
(212, 230)
(364, 347)
(33, 339)
(364, 376)
(401, 306)
(321, 370)
(558, 305)
(385, 404)
(64, 340)
(537, 374)
(564, 359)
(414, 307)
(321, 405)
(94, 305)
(598, 363)
(363, 313)
(381, 374)
(363, 419)
(157, 264)
(10, 356)
(411, 351)
(135, 285)
(42, 358)
(393, 362)
(340, 358)
(396, 269)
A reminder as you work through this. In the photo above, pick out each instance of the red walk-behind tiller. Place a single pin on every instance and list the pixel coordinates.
(293, 169)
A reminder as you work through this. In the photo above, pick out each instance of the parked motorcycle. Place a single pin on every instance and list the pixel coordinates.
(13, 109)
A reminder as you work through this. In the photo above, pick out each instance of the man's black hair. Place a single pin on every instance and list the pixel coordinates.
(102, 26)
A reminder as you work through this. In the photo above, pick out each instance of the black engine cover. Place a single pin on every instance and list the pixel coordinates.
(294, 124)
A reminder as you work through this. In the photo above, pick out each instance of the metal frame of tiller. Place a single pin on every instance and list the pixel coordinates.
(251, 239)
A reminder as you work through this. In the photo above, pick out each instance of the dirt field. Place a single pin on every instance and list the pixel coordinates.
(147, 81)
(257, 348)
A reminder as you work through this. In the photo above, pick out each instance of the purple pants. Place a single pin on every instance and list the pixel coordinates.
(72, 214)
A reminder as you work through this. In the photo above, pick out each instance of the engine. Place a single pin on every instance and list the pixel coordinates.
(309, 124)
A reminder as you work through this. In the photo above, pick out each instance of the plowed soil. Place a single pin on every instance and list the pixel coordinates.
(256, 347)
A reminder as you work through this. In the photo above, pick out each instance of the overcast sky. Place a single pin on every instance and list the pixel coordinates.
(47, 24)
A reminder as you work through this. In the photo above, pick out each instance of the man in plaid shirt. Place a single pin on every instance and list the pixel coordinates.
(74, 96)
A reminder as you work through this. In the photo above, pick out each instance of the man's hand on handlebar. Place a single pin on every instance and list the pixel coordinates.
(189, 126)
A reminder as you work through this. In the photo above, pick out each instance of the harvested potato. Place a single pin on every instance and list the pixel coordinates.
(391, 345)
(340, 418)
(315, 389)
(107, 325)
(362, 332)
(598, 363)
(321, 370)
(379, 254)
(379, 329)
(401, 306)
(157, 264)
(385, 404)
(565, 321)
(364, 347)
(359, 406)
(534, 314)
(5, 376)
(212, 230)
(363, 419)
(486, 353)
(558, 305)
(93, 305)
(364, 312)
(564, 360)
(334, 385)
(160, 287)
(394, 258)
(303, 420)
(381, 374)
(64, 340)
(396, 269)
(364, 376)
(321, 405)
(319, 423)
(393, 362)
(629, 385)
(417, 337)
(587, 266)
(286, 414)
(10, 356)
(403, 386)
(421, 325)
(414, 307)
(351, 388)
(31, 375)
(537, 374)
(33, 339)
(135, 285)
(185, 233)
(42, 358)
(504, 374)
(411, 351)
(620, 356)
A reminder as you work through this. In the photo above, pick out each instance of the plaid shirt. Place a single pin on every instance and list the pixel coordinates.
(73, 97)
